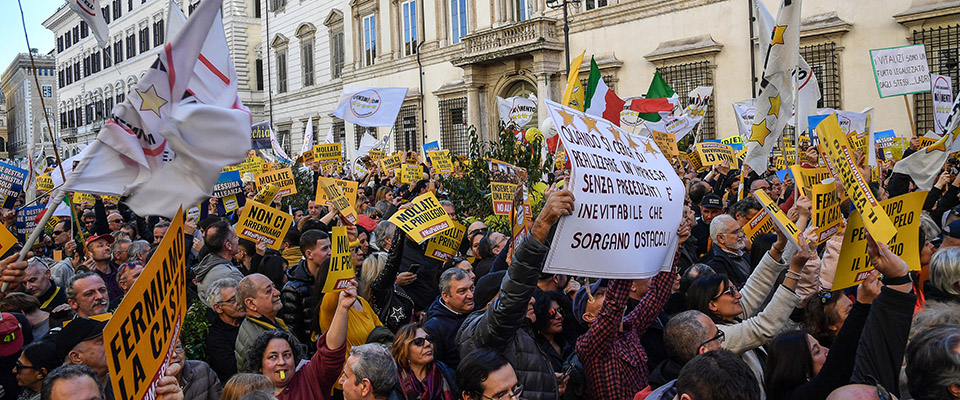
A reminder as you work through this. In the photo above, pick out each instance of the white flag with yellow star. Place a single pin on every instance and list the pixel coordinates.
(925, 164)
(370, 106)
(776, 98)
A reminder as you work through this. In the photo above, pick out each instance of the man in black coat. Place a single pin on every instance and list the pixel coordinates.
(225, 318)
(447, 313)
(297, 292)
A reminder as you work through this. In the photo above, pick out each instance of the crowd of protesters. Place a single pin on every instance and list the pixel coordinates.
(733, 319)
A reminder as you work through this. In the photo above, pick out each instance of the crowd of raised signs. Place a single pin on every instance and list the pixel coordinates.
(733, 319)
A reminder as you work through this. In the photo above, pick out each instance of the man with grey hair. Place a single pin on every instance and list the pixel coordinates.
(933, 364)
(447, 313)
(944, 285)
(222, 337)
(38, 283)
(449, 208)
(726, 255)
(369, 373)
(120, 250)
(687, 335)
(138, 251)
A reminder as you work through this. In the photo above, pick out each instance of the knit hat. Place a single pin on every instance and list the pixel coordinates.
(487, 288)
(580, 299)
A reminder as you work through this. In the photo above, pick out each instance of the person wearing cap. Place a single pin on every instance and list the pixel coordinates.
(87, 294)
(12, 340)
(951, 235)
(100, 252)
(80, 342)
(710, 207)
(448, 312)
(39, 285)
(222, 242)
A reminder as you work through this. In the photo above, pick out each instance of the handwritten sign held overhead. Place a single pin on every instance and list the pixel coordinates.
(901, 70)
(628, 202)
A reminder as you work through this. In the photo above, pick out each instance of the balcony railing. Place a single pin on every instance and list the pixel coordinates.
(539, 33)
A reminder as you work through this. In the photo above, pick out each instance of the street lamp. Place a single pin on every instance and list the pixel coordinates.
(556, 4)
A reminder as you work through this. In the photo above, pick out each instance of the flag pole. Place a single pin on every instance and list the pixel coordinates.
(913, 125)
(796, 115)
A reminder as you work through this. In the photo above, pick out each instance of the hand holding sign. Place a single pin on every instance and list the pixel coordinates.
(889, 264)
(559, 204)
(12, 271)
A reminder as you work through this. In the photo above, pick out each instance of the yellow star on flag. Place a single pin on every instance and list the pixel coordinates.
(648, 148)
(774, 106)
(615, 132)
(759, 132)
(591, 124)
(778, 34)
(939, 145)
(633, 144)
(150, 100)
(567, 117)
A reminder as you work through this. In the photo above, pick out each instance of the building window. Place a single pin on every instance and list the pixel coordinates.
(108, 105)
(76, 71)
(942, 45)
(523, 9)
(63, 120)
(76, 34)
(120, 97)
(408, 14)
(369, 39)
(283, 136)
(47, 91)
(66, 39)
(306, 58)
(106, 14)
(339, 131)
(685, 77)
(282, 71)
(131, 46)
(144, 39)
(453, 126)
(129, 5)
(824, 61)
(107, 60)
(117, 52)
(277, 4)
(59, 44)
(336, 54)
(458, 19)
(60, 80)
(71, 120)
(405, 129)
(69, 75)
(259, 67)
(84, 30)
(594, 4)
(117, 9)
(158, 33)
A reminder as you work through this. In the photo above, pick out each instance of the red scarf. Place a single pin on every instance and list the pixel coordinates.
(433, 386)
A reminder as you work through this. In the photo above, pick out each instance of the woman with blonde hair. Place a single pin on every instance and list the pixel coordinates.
(421, 376)
(243, 383)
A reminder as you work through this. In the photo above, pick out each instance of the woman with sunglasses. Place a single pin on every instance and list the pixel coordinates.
(35, 362)
(551, 309)
(745, 325)
(421, 376)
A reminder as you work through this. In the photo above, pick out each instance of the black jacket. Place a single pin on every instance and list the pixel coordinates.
(221, 339)
(53, 297)
(296, 296)
(391, 304)
(426, 287)
(442, 324)
(737, 268)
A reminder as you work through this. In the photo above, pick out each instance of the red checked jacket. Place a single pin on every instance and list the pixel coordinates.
(614, 361)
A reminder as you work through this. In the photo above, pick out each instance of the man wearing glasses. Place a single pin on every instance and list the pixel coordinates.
(727, 256)
(222, 336)
(687, 335)
(66, 248)
(487, 375)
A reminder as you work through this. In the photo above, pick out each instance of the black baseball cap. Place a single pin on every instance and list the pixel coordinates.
(711, 201)
(79, 330)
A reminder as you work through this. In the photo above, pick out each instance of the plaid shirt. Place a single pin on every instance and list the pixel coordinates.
(613, 359)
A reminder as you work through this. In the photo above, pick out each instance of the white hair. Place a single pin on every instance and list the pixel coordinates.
(719, 225)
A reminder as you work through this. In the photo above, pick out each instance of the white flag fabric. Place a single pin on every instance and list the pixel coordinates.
(329, 138)
(168, 140)
(776, 100)
(925, 164)
(744, 111)
(307, 138)
(518, 109)
(91, 13)
(277, 148)
(370, 106)
(367, 143)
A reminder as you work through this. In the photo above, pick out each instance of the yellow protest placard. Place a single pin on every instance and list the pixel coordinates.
(376, 155)
(924, 142)
(758, 225)
(446, 245)
(790, 154)
(826, 209)
(807, 177)
(504, 179)
(441, 161)
(742, 154)
(7, 240)
(51, 223)
(141, 336)
(858, 141)
(424, 219)
(714, 153)
(732, 140)
(779, 218)
(307, 158)
(83, 198)
(780, 163)
(349, 189)
(410, 173)
(560, 160)
(281, 178)
(262, 223)
(341, 261)
(841, 160)
(44, 182)
(694, 159)
(391, 163)
(338, 197)
(328, 152)
(110, 200)
(854, 263)
(519, 221)
(252, 165)
(667, 143)
(267, 194)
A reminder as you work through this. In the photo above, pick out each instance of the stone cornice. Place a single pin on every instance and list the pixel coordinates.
(686, 47)
(917, 13)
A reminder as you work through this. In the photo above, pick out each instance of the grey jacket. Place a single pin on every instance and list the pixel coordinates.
(199, 381)
(209, 270)
(502, 325)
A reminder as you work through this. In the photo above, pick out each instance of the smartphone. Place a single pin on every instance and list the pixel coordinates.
(414, 268)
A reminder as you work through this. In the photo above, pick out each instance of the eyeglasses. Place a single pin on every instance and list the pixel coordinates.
(420, 341)
(230, 300)
(719, 338)
(731, 290)
(555, 313)
(115, 221)
(737, 232)
(512, 394)
(18, 366)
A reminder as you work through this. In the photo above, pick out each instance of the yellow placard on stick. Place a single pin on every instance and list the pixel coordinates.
(441, 161)
(376, 155)
(667, 142)
(341, 262)
(504, 179)
(83, 198)
(425, 219)
(732, 140)
(328, 153)
(262, 223)
(388, 164)
(694, 159)
(858, 141)
(308, 158)
(758, 225)
(252, 165)
(807, 177)
(779, 218)
(337, 196)
(349, 189)
(715, 153)
(267, 194)
(826, 210)
(410, 173)
(446, 245)
(854, 263)
(44, 182)
(142, 334)
(7, 240)
(281, 178)
(841, 160)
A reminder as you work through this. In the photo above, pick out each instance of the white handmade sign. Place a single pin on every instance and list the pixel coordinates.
(942, 98)
(901, 70)
(628, 206)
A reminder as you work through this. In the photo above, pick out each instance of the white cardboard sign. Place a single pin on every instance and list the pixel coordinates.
(628, 205)
(901, 70)
(942, 97)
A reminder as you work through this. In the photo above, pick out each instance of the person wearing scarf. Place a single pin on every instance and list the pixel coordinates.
(421, 377)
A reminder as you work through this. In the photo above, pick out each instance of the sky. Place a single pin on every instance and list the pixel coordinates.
(11, 28)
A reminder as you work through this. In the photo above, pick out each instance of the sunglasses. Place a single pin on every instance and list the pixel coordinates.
(420, 341)
(555, 313)
(731, 290)
(58, 232)
(20, 366)
(116, 221)
(719, 338)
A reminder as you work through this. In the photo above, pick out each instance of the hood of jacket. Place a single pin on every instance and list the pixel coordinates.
(207, 264)
(439, 310)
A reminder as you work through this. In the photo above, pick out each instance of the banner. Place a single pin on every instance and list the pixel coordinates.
(826, 210)
(629, 202)
(262, 223)
(424, 220)
(885, 139)
(370, 106)
(141, 336)
(744, 111)
(410, 173)
(11, 183)
(27, 218)
(349, 189)
(807, 177)
(854, 263)
(715, 153)
(375, 155)
(504, 179)
(281, 178)
(252, 165)
(260, 136)
(441, 161)
(900, 70)
(779, 218)
(337, 196)
(843, 165)
(446, 245)
(44, 183)
(942, 98)
(760, 224)
(667, 143)
(516, 109)
(327, 153)
(341, 261)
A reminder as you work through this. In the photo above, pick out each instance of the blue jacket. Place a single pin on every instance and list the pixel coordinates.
(442, 323)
